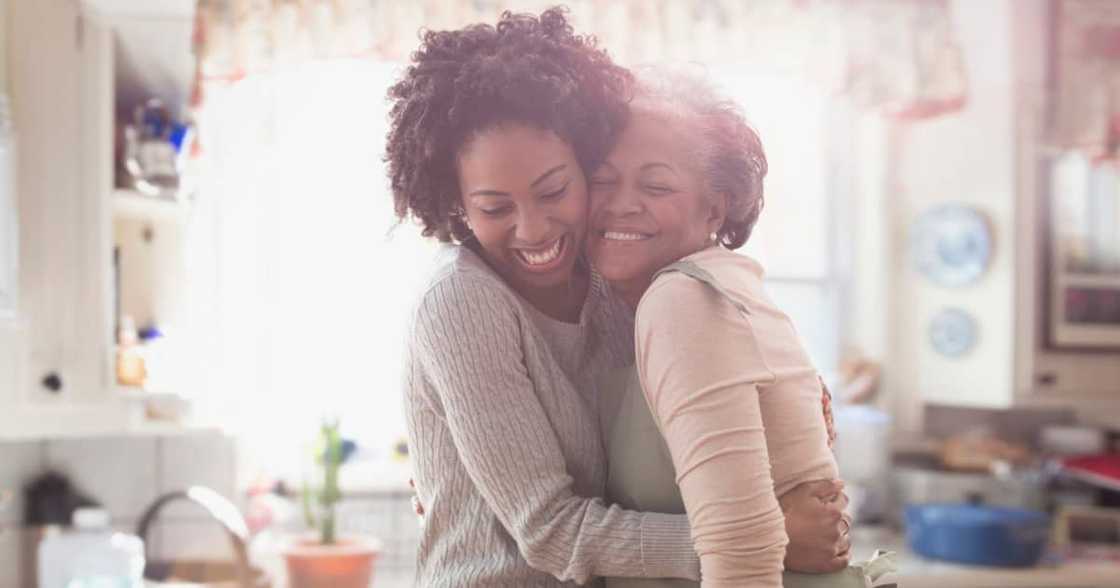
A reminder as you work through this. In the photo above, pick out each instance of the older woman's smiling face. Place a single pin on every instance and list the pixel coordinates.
(648, 202)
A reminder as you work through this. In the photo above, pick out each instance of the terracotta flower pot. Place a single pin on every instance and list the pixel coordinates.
(348, 563)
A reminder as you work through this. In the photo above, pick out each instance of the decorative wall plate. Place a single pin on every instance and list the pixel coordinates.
(952, 245)
(953, 332)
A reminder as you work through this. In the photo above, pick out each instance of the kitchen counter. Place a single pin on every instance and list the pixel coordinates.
(918, 572)
(914, 571)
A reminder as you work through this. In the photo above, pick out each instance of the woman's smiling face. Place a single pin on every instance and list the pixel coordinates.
(648, 202)
(525, 199)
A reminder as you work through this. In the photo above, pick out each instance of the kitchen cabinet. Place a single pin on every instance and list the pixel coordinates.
(1082, 378)
(67, 62)
(61, 82)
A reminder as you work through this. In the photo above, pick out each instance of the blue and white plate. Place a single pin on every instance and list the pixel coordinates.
(952, 245)
(953, 332)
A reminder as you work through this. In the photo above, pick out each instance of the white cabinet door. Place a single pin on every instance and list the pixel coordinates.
(60, 77)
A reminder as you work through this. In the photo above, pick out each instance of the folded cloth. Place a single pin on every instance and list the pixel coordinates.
(857, 575)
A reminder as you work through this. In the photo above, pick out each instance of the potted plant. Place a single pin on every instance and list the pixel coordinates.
(324, 559)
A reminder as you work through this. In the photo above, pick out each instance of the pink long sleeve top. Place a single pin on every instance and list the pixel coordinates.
(739, 404)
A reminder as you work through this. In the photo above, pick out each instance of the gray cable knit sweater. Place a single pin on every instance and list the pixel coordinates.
(507, 455)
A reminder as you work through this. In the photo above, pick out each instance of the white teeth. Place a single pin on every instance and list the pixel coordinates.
(619, 236)
(543, 257)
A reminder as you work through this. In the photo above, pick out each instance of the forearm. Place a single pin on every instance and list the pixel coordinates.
(576, 537)
(513, 458)
(569, 536)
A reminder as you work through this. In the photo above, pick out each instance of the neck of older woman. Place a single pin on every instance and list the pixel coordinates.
(631, 290)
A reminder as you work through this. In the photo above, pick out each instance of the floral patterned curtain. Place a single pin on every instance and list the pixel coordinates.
(899, 56)
(1086, 108)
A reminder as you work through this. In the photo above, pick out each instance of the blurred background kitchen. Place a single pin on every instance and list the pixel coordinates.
(197, 239)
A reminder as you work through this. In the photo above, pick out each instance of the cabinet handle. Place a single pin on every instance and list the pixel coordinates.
(53, 382)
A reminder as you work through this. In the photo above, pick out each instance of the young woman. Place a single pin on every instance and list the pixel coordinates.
(723, 415)
(492, 129)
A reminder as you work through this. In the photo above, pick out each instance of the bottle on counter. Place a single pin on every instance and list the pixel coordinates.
(91, 555)
(131, 370)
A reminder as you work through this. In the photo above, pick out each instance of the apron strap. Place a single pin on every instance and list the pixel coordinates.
(691, 269)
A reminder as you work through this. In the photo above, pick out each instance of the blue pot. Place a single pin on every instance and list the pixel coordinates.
(979, 535)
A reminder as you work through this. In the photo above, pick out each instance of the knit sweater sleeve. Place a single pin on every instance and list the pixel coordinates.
(468, 339)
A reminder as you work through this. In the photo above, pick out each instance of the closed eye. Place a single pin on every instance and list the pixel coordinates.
(656, 189)
(555, 194)
(501, 210)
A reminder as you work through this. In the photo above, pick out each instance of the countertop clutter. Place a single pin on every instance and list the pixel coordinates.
(993, 498)
(915, 571)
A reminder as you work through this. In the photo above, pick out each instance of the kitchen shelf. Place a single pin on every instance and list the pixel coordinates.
(130, 203)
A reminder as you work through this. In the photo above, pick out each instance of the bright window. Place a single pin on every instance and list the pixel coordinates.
(314, 279)
(797, 239)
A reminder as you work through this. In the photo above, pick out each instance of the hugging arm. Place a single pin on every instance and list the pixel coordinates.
(509, 449)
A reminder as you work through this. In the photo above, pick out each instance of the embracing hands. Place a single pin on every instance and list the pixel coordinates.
(817, 526)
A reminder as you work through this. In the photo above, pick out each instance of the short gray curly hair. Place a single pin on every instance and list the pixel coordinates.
(728, 151)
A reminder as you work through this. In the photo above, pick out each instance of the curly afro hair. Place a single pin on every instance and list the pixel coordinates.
(529, 70)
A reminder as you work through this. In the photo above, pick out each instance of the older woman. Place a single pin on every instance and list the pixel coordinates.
(723, 414)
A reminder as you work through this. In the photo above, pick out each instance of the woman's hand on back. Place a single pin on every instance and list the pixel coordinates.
(817, 526)
(417, 506)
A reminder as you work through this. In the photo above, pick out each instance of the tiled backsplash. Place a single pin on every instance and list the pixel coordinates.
(127, 473)
(18, 463)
